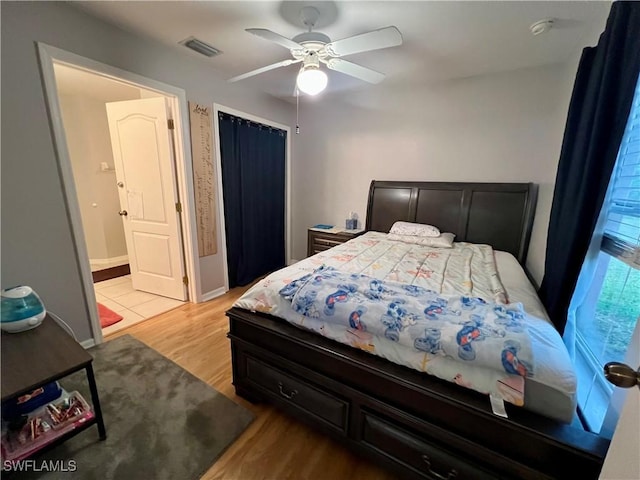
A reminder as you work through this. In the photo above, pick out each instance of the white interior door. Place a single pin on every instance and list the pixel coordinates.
(623, 458)
(145, 171)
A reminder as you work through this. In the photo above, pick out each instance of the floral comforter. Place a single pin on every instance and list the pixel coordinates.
(466, 270)
(467, 329)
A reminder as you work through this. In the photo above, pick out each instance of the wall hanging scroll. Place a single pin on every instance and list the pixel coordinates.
(203, 177)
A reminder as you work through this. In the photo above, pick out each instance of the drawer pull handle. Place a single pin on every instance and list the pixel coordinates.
(286, 395)
(324, 241)
(452, 474)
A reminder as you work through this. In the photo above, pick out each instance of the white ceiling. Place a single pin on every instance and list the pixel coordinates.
(442, 40)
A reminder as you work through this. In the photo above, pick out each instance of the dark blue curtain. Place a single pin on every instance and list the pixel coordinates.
(253, 184)
(598, 113)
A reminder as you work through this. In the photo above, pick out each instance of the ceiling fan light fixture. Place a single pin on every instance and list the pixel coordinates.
(314, 48)
(311, 80)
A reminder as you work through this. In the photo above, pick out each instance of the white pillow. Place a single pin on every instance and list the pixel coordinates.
(445, 240)
(419, 229)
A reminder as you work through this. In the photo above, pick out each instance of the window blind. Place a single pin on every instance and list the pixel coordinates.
(622, 229)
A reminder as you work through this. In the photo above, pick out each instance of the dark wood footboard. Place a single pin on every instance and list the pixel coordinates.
(415, 424)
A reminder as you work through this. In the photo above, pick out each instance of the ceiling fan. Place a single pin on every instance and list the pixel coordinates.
(315, 48)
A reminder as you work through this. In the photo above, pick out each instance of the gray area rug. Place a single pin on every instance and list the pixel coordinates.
(161, 421)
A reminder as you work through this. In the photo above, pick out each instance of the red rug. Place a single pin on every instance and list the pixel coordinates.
(107, 316)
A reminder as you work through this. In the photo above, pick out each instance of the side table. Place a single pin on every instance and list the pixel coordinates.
(42, 355)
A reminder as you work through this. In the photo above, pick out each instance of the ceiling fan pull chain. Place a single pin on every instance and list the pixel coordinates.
(297, 108)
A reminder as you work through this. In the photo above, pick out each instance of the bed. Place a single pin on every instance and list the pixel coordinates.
(414, 423)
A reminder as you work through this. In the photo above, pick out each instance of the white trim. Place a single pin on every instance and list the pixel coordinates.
(69, 189)
(218, 173)
(184, 168)
(287, 249)
(49, 55)
(88, 343)
(592, 363)
(105, 261)
(214, 294)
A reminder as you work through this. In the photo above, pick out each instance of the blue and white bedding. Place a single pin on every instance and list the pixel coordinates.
(467, 329)
(460, 275)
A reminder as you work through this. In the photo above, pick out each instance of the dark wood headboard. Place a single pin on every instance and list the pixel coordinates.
(497, 214)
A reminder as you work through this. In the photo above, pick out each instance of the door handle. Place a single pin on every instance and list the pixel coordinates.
(123, 213)
(622, 375)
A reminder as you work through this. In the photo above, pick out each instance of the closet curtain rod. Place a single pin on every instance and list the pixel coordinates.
(240, 120)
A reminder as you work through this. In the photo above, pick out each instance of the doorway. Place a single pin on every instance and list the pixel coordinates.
(90, 199)
(221, 111)
(253, 157)
(105, 123)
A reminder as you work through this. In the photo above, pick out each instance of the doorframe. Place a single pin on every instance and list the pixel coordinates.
(48, 56)
(287, 173)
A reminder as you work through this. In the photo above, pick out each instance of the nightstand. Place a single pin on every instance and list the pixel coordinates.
(320, 239)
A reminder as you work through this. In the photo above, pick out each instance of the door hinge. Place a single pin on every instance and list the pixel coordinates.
(170, 124)
(185, 280)
(178, 207)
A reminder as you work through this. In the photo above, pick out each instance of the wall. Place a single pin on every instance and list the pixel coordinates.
(505, 127)
(37, 244)
(87, 132)
(502, 127)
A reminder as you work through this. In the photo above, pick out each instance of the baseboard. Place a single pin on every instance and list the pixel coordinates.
(111, 272)
(88, 343)
(213, 294)
(107, 261)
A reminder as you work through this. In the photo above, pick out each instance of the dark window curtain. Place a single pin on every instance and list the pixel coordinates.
(253, 184)
(598, 113)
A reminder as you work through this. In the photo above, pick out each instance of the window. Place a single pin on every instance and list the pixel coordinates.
(607, 317)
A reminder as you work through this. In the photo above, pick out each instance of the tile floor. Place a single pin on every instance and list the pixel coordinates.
(118, 295)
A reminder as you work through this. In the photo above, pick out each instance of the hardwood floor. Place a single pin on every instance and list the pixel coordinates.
(274, 446)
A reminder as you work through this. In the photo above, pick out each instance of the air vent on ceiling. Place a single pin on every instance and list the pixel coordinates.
(200, 47)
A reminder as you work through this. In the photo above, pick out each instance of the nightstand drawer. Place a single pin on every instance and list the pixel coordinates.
(317, 249)
(326, 242)
(319, 241)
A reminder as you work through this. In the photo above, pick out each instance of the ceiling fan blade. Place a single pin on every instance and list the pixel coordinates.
(355, 70)
(284, 63)
(275, 38)
(375, 40)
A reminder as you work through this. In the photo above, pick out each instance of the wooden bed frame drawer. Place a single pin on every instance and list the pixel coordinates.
(297, 392)
(416, 452)
(391, 414)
